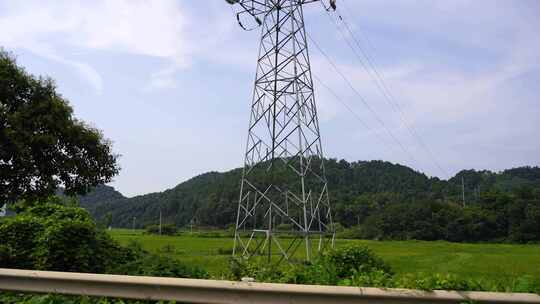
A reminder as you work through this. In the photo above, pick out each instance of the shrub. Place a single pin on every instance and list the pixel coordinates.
(52, 236)
(63, 238)
(69, 246)
(354, 232)
(354, 259)
(377, 278)
(20, 238)
(140, 262)
(13, 298)
(335, 267)
(258, 269)
(437, 281)
(167, 229)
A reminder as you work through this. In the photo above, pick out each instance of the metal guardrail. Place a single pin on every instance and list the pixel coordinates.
(210, 291)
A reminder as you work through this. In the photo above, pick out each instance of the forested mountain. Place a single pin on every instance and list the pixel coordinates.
(386, 200)
(101, 194)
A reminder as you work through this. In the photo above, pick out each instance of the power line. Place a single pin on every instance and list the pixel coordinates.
(390, 97)
(365, 67)
(362, 99)
(356, 115)
(383, 87)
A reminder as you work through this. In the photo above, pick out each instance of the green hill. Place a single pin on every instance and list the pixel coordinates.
(101, 194)
(362, 193)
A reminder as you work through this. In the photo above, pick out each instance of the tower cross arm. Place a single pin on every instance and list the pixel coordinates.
(262, 7)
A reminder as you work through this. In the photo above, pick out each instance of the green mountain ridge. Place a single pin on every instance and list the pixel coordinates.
(210, 199)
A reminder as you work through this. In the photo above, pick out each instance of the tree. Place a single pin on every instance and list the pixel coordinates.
(42, 146)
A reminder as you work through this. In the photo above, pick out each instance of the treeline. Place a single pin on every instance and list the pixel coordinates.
(494, 216)
(374, 199)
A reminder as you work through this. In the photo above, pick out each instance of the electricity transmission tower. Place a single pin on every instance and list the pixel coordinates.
(284, 190)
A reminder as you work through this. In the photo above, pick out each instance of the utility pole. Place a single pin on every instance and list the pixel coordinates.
(133, 226)
(284, 139)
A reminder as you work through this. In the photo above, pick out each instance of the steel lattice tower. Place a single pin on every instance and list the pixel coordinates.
(284, 190)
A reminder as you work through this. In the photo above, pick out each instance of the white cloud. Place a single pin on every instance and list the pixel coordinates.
(151, 28)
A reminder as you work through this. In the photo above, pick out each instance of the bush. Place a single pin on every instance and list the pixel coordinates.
(377, 278)
(20, 238)
(140, 262)
(52, 236)
(437, 281)
(56, 237)
(257, 269)
(167, 229)
(334, 267)
(354, 259)
(13, 298)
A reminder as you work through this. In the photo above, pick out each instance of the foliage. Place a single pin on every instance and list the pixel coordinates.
(52, 236)
(331, 268)
(354, 259)
(436, 282)
(496, 266)
(41, 144)
(358, 266)
(166, 229)
(496, 216)
(429, 282)
(12, 298)
(142, 263)
(100, 193)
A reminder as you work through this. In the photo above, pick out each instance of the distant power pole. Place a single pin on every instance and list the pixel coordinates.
(133, 227)
(463, 190)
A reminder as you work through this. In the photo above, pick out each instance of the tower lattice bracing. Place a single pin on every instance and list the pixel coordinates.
(284, 210)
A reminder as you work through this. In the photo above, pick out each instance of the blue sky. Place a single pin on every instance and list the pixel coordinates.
(170, 82)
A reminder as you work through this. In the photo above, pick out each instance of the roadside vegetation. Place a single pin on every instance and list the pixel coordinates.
(352, 263)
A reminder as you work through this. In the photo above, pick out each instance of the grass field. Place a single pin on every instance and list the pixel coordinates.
(478, 261)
